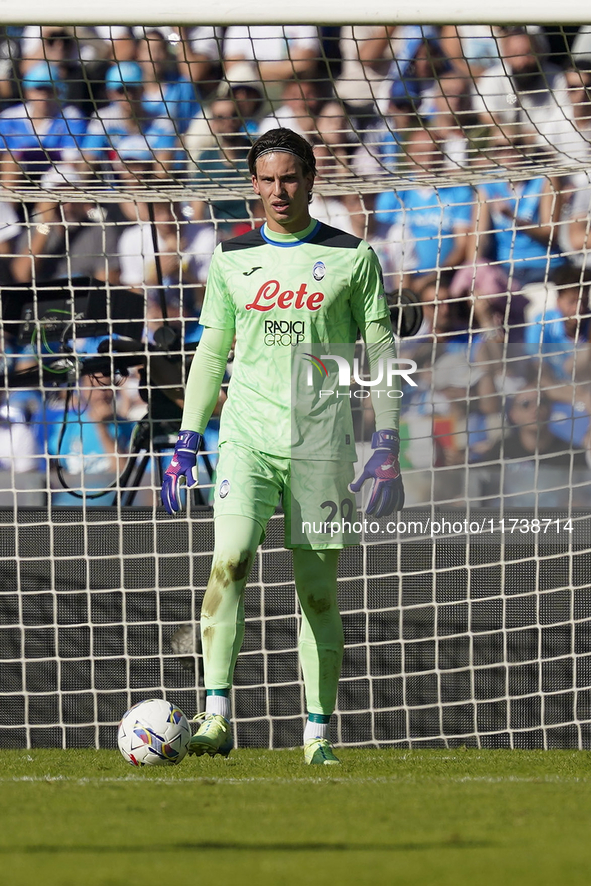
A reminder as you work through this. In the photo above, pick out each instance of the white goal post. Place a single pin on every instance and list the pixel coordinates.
(252, 13)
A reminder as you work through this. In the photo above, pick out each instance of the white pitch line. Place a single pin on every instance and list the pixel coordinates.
(385, 779)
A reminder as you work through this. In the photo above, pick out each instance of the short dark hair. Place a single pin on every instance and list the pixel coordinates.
(580, 66)
(569, 276)
(286, 140)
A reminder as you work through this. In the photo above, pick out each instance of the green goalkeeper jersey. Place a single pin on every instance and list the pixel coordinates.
(291, 298)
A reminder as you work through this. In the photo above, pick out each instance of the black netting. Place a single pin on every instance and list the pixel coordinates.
(445, 656)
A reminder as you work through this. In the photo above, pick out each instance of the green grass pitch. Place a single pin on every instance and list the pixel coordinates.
(422, 817)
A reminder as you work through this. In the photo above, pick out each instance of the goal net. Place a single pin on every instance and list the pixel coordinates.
(462, 154)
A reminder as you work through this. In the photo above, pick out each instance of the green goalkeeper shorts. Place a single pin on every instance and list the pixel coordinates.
(320, 511)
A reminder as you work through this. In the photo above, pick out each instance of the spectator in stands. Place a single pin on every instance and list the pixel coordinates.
(438, 318)
(135, 246)
(334, 132)
(333, 152)
(452, 118)
(125, 115)
(92, 451)
(382, 149)
(455, 407)
(67, 240)
(200, 54)
(298, 112)
(366, 54)
(184, 272)
(9, 69)
(558, 334)
(165, 92)
(519, 93)
(492, 302)
(79, 56)
(419, 61)
(574, 139)
(576, 234)
(18, 446)
(183, 252)
(51, 44)
(441, 330)
(9, 231)
(530, 464)
(120, 42)
(470, 391)
(244, 88)
(428, 225)
(227, 166)
(471, 49)
(41, 132)
(517, 221)
(61, 45)
(281, 52)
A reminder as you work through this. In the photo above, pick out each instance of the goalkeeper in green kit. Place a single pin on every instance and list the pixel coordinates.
(295, 280)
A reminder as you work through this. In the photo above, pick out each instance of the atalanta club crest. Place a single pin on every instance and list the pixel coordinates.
(224, 488)
(319, 270)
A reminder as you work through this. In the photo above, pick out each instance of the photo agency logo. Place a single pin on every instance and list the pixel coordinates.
(385, 372)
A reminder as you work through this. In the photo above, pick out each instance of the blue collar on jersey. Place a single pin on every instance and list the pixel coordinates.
(296, 241)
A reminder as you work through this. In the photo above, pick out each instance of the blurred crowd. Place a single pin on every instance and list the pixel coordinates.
(459, 152)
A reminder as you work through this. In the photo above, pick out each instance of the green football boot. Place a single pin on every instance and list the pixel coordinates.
(214, 736)
(319, 751)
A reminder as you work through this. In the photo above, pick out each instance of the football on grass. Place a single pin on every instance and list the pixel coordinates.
(154, 733)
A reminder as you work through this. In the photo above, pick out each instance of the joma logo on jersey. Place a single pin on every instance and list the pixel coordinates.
(269, 297)
(284, 332)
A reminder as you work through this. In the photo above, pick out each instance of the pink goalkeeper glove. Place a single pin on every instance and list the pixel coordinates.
(182, 470)
(383, 467)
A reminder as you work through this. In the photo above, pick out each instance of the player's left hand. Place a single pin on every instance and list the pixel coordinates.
(383, 467)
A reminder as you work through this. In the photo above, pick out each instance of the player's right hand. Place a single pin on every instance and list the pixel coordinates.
(182, 470)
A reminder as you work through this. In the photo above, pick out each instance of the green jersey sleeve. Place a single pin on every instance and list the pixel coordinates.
(219, 308)
(368, 297)
(205, 377)
(380, 343)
